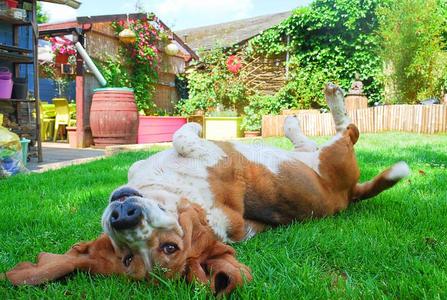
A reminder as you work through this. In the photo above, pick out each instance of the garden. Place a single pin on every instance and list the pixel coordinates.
(397, 48)
(397, 60)
(393, 245)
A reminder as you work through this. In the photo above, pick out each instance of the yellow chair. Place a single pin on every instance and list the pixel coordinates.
(47, 115)
(1, 119)
(62, 115)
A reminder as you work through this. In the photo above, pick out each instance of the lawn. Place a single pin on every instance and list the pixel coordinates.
(392, 246)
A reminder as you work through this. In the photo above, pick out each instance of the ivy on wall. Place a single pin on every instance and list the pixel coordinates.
(329, 40)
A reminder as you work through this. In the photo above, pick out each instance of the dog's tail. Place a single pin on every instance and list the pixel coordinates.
(381, 182)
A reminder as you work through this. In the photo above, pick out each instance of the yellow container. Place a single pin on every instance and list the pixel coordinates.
(223, 128)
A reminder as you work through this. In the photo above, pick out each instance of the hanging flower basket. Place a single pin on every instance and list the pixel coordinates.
(63, 48)
(234, 64)
(62, 58)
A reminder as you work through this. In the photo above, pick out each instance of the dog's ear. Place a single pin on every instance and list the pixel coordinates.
(97, 257)
(209, 260)
(221, 269)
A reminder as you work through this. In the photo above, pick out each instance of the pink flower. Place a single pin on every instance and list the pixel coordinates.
(234, 64)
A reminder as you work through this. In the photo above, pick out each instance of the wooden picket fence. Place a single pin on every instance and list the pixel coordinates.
(410, 118)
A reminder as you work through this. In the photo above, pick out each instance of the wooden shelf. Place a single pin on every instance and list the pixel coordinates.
(14, 49)
(12, 20)
(15, 58)
(16, 100)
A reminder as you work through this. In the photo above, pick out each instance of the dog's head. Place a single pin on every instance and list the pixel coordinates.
(172, 235)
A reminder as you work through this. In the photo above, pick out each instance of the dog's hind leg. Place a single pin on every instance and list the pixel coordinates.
(292, 131)
(336, 102)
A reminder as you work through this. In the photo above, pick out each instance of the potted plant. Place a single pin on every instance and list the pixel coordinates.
(251, 123)
(258, 105)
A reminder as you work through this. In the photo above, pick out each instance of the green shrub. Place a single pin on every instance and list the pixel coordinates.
(259, 105)
(329, 40)
(210, 83)
(114, 72)
(412, 48)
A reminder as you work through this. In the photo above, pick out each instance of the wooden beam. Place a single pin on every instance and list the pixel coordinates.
(36, 80)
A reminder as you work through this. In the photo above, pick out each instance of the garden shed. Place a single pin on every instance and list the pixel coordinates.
(99, 39)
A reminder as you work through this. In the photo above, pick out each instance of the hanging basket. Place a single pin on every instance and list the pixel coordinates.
(62, 58)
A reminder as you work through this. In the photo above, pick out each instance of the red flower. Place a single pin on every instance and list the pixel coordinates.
(234, 64)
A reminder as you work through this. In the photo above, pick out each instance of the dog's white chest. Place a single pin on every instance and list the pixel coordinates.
(184, 176)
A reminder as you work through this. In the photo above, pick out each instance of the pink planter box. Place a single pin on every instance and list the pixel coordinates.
(152, 129)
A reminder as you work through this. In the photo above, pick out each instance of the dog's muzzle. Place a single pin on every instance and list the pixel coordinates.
(125, 214)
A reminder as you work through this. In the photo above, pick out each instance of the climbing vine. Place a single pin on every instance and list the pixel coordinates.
(329, 40)
(142, 59)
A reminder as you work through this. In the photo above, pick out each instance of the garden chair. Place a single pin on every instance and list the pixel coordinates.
(62, 115)
(47, 115)
(1, 119)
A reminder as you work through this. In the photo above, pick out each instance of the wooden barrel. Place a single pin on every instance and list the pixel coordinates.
(113, 117)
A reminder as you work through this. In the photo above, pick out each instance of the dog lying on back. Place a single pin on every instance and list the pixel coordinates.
(181, 206)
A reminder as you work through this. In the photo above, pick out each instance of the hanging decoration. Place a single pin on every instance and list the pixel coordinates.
(127, 36)
(171, 48)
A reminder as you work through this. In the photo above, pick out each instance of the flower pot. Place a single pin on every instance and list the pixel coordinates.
(155, 129)
(62, 58)
(72, 137)
(6, 83)
(223, 128)
(199, 112)
(113, 117)
(252, 133)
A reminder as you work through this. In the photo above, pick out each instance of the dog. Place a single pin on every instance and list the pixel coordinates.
(182, 207)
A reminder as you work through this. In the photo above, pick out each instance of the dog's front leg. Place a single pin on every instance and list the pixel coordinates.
(292, 131)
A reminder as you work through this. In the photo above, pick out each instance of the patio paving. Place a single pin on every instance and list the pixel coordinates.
(58, 155)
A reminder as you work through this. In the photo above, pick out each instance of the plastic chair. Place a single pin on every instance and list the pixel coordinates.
(46, 119)
(62, 115)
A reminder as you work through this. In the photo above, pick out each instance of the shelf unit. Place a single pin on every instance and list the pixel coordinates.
(16, 100)
(17, 55)
(13, 21)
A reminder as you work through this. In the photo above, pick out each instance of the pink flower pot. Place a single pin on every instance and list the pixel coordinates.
(154, 129)
(6, 83)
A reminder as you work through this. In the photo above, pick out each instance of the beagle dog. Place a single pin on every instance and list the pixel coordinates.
(182, 207)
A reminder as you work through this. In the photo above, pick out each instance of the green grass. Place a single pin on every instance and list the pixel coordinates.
(392, 246)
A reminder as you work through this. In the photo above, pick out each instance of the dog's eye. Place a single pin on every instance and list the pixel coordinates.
(127, 260)
(161, 207)
(169, 248)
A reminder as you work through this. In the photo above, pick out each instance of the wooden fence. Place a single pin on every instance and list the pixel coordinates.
(410, 118)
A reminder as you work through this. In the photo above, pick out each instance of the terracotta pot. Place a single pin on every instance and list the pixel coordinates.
(199, 112)
(62, 58)
(113, 117)
(252, 133)
(72, 137)
(155, 129)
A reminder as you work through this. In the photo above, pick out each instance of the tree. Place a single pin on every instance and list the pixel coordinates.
(412, 49)
(42, 17)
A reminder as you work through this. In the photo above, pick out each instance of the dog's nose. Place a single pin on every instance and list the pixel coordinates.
(125, 215)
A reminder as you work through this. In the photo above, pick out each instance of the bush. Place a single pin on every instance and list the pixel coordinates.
(412, 48)
(258, 106)
(211, 83)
